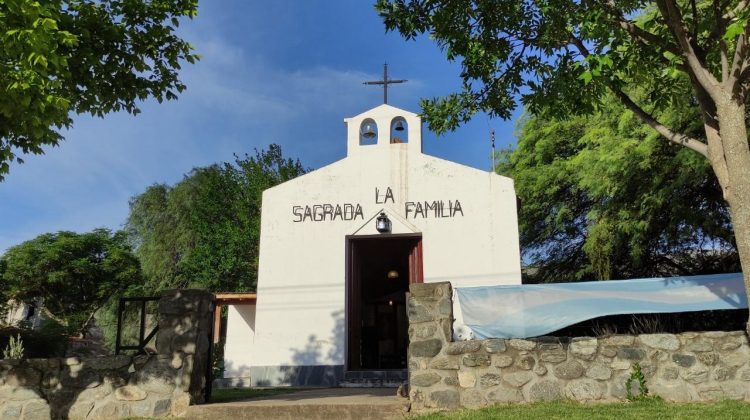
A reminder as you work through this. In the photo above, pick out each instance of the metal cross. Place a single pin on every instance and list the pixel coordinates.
(385, 82)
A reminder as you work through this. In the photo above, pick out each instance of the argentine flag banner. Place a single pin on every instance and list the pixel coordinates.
(537, 309)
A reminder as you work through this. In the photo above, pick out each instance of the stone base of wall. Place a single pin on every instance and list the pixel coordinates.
(113, 387)
(239, 382)
(304, 375)
(94, 388)
(707, 366)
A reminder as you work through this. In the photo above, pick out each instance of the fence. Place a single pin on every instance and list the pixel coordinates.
(125, 313)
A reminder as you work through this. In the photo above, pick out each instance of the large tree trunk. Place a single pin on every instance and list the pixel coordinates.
(736, 183)
(740, 210)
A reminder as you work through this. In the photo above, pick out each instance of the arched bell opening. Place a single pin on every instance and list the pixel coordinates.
(368, 132)
(399, 131)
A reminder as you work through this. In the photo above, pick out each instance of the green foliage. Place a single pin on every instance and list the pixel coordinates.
(83, 56)
(75, 274)
(217, 360)
(106, 319)
(205, 231)
(636, 375)
(637, 410)
(49, 340)
(603, 197)
(14, 349)
(561, 55)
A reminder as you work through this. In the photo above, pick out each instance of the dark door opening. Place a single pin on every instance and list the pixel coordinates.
(380, 269)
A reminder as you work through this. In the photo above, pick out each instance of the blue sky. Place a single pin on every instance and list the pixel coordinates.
(285, 72)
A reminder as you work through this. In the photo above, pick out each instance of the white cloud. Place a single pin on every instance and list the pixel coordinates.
(229, 80)
(238, 98)
(234, 103)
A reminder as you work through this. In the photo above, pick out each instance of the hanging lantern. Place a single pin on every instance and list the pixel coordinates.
(383, 223)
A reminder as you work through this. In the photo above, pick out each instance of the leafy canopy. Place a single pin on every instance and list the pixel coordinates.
(75, 274)
(59, 57)
(604, 197)
(564, 55)
(205, 230)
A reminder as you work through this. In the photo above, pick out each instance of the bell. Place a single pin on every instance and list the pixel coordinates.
(399, 126)
(368, 130)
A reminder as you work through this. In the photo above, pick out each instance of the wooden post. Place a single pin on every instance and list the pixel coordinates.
(217, 324)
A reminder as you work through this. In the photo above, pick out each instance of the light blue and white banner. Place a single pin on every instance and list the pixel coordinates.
(536, 309)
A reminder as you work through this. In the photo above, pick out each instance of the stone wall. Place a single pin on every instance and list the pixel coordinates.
(704, 366)
(119, 386)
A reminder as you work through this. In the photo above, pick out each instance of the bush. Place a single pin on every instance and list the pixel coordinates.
(49, 340)
(14, 350)
(217, 362)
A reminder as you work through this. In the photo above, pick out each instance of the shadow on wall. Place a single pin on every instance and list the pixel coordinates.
(119, 386)
(312, 353)
(729, 291)
(102, 388)
(233, 381)
(310, 366)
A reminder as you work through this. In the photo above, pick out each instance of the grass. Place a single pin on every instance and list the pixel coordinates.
(238, 394)
(646, 409)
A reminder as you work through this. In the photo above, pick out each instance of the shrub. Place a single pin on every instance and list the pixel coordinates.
(636, 375)
(49, 340)
(14, 349)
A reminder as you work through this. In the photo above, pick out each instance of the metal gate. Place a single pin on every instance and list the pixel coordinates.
(141, 303)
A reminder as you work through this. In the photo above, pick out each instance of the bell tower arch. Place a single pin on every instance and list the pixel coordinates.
(394, 127)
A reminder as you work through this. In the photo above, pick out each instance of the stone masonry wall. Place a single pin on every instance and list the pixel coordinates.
(705, 366)
(119, 386)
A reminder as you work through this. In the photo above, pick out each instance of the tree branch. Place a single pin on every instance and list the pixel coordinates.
(739, 72)
(705, 103)
(736, 11)
(677, 138)
(82, 328)
(723, 50)
(647, 38)
(672, 15)
(46, 312)
(715, 33)
(639, 34)
(648, 119)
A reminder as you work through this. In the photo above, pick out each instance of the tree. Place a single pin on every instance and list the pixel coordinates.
(604, 197)
(205, 231)
(565, 54)
(75, 274)
(83, 56)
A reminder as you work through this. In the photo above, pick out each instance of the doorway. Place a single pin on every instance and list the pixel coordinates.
(379, 271)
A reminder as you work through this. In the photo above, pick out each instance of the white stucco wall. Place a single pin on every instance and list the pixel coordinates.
(301, 280)
(240, 337)
(17, 312)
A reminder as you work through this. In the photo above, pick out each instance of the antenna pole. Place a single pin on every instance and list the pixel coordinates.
(492, 156)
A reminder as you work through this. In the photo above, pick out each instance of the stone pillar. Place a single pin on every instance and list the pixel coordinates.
(184, 335)
(430, 310)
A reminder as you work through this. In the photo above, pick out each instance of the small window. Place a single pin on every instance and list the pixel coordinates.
(368, 132)
(399, 131)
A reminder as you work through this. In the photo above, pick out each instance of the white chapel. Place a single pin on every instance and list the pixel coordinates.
(340, 246)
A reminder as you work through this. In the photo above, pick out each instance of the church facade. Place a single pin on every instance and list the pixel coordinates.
(340, 245)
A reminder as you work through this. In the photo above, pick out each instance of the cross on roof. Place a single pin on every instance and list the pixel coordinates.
(385, 82)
